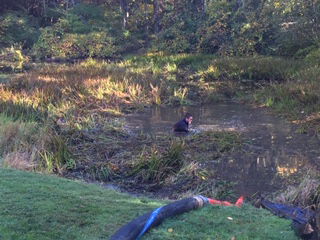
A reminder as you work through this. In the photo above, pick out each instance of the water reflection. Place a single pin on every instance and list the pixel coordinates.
(272, 152)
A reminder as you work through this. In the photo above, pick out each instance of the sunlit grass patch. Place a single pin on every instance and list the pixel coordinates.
(17, 140)
(99, 87)
(47, 207)
(15, 135)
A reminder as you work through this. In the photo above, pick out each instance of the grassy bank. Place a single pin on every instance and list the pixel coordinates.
(37, 206)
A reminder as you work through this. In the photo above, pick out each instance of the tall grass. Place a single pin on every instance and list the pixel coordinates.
(30, 146)
(155, 166)
(16, 142)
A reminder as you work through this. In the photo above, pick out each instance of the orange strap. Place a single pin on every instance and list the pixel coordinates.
(238, 203)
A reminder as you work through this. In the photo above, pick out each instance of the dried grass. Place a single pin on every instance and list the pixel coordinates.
(307, 193)
(20, 160)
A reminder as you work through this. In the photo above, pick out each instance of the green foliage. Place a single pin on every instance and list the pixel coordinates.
(248, 68)
(299, 95)
(223, 27)
(216, 31)
(237, 30)
(18, 28)
(213, 37)
(84, 31)
(13, 59)
(180, 34)
(226, 29)
(47, 44)
(289, 44)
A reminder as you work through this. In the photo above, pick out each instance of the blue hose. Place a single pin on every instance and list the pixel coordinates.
(151, 219)
(135, 229)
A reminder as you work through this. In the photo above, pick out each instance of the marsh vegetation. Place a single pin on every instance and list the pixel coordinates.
(70, 119)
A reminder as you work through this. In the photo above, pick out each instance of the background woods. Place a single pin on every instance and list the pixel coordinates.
(107, 28)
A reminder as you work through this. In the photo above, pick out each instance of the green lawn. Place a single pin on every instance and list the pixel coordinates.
(34, 207)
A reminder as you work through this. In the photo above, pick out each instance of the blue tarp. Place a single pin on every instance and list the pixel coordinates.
(303, 219)
(297, 214)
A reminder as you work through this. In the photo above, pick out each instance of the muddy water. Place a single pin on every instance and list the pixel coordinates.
(272, 152)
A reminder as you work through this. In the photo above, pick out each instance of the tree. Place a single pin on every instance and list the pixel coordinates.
(124, 8)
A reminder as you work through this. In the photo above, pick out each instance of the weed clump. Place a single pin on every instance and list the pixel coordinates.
(306, 194)
(31, 146)
(155, 167)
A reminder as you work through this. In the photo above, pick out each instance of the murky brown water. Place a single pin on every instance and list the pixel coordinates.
(273, 151)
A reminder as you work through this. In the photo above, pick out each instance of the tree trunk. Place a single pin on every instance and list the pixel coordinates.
(125, 12)
(44, 8)
(204, 7)
(146, 15)
(156, 15)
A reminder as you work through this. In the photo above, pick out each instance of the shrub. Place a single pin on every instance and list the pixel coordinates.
(18, 28)
(83, 32)
(213, 37)
(179, 36)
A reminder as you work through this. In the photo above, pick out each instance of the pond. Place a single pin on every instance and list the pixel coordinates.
(272, 151)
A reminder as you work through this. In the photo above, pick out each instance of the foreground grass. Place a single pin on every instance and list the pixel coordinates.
(36, 206)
